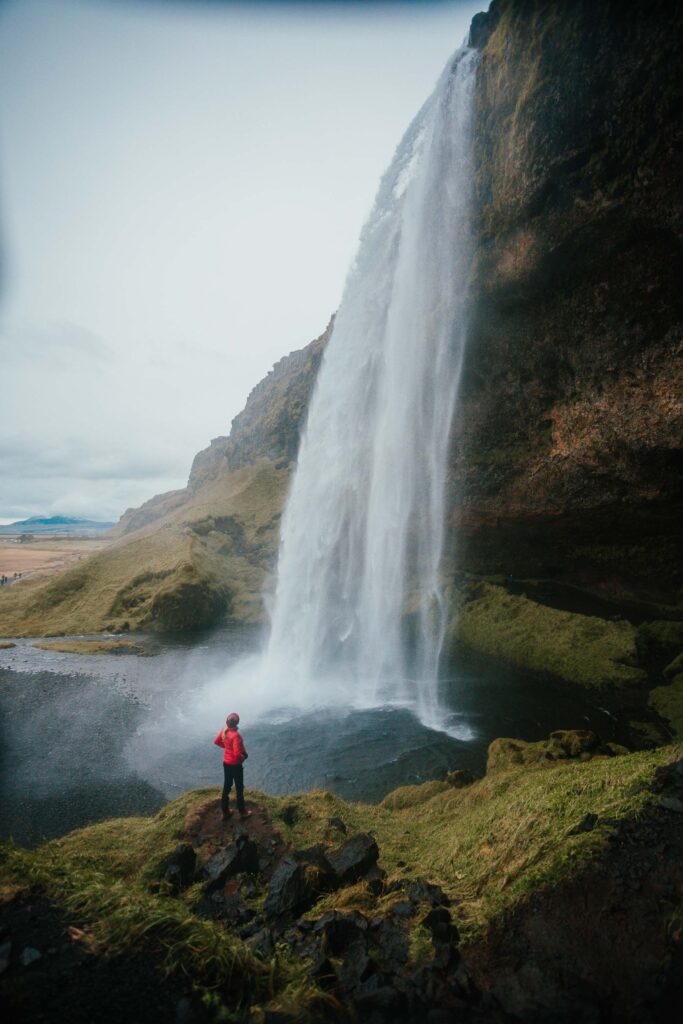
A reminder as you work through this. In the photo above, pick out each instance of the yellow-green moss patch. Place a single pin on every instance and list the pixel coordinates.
(113, 646)
(581, 649)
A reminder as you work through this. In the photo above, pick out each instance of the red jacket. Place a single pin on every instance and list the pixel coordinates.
(233, 746)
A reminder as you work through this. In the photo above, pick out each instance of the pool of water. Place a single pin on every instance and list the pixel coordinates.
(88, 737)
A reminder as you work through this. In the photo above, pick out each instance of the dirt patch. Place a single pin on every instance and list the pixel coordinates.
(208, 833)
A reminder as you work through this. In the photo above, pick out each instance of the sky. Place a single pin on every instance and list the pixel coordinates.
(182, 187)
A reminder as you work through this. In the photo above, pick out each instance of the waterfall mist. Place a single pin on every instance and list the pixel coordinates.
(359, 616)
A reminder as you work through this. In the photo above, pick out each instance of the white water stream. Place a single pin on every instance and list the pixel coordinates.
(363, 530)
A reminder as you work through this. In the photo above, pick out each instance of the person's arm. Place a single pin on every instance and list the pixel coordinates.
(218, 742)
(241, 749)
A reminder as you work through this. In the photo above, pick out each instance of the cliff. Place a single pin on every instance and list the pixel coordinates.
(568, 454)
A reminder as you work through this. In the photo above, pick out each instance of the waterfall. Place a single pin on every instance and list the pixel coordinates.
(362, 533)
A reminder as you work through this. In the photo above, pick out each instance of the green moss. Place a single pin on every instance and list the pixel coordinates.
(674, 667)
(581, 649)
(668, 702)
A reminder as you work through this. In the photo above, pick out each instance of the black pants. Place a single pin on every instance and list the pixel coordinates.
(233, 773)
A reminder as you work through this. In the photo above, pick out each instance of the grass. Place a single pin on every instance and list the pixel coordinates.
(668, 702)
(581, 649)
(175, 573)
(115, 646)
(489, 845)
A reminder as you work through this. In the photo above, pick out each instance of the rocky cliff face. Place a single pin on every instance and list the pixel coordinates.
(568, 449)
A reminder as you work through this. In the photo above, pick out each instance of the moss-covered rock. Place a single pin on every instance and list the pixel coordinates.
(581, 649)
(561, 745)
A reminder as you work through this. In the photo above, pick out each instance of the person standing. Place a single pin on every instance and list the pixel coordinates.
(234, 756)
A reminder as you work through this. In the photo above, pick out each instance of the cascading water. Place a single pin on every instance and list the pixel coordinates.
(362, 534)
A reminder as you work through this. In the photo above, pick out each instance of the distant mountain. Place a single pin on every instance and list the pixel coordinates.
(55, 524)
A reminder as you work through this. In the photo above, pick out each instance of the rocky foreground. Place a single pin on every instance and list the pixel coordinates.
(551, 889)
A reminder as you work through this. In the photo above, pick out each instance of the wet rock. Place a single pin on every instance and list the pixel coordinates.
(337, 930)
(242, 855)
(353, 858)
(261, 943)
(422, 891)
(180, 866)
(587, 824)
(29, 955)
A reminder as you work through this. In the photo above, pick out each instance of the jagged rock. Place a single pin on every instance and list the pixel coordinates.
(298, 882)
(242, 855)
(440, 924)
(422, 891)
(392, 945)
(261, 943)
(180, 866)
(354, 857)
(374, 879)
(336, 930)
(356, 966)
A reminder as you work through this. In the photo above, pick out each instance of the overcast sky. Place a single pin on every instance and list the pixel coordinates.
(182, 186)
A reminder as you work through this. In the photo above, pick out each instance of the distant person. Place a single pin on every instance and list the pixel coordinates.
(234, 756)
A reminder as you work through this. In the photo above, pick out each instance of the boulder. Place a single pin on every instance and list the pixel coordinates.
(242, 855)
(297, 883)
(422, 891)
(180, 866)
(337, 930)
(353, 858)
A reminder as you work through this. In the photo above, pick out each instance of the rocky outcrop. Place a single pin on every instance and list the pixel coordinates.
(568, 453)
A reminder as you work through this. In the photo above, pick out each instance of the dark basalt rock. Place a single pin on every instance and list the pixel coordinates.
(298, 882)
(337, 930)
(354, 857)
(241, 856)
(374, 879)
(422, 891)
(180, 866)
(261, 943)
(587, 824)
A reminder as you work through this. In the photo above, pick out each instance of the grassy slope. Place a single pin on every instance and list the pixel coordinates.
(137, 578)
(489, 845)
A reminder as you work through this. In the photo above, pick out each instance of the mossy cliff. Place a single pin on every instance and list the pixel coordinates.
(568, 454)
(547, 890)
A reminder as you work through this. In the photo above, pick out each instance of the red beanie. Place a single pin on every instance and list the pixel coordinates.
(233, 715)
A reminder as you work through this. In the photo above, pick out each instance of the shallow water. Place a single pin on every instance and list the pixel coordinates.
(88, 737)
